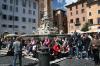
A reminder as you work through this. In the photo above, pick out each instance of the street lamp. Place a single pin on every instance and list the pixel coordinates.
(13, 15)
(1, 19)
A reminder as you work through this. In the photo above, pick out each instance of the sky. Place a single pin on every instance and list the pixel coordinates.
(59, 4)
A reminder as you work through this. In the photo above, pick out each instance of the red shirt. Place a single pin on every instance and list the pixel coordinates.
(56, 49)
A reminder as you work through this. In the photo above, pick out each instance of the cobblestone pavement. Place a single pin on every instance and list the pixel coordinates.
(29, 61)
(76, 62)
(7, 60)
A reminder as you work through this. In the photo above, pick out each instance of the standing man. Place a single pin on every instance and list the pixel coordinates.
(0, 43)
(17, 51)
(86, 44)
(95, 48)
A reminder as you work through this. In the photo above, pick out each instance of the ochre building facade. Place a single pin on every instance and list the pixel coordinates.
(81, 12)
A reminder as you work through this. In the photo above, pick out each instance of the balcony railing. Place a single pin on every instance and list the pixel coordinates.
(77, 24)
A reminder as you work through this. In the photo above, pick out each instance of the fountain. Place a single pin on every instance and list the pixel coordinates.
(46, 27)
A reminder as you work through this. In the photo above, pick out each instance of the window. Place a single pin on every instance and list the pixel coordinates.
(33, 28)
(30, 11)
(77, 20)
(29, 20)
(98, 11)
(15, 26)
(71, 13)
(34, 5)
(29, 3)
(23, 19)
(89, 6)
(4, 17)
(34, 20)
(76, 6)
(90, 21)
(70, 8)
(16, 9)
(4, 25)
(83, 18)
(11, 8)
(71, 21)
(4, 6)
(16, 2)
(4, 1)
(82, 10)
(10, 17)
(16, 18)
(16, 33)
(82, 4)
(24, 3)
(10, 26)
(23, 27)
(90, 14)
(11, 1)
(98, 20)
(76, 12)
(33, 12)
(23, 10)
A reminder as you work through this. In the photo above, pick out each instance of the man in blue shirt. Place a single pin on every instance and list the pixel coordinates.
(17, 51)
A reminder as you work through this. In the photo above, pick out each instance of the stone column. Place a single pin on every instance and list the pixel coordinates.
(46, 26)
(47, 8)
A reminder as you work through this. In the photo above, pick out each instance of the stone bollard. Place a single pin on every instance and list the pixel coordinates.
(44, 56)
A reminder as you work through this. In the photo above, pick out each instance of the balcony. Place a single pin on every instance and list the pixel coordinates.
(77, 24)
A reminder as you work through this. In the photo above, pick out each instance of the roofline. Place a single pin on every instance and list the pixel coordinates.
(91, 3)
(73, 4)
(59, 10)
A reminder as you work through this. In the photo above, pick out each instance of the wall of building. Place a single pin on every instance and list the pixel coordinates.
(28, 12)
(60, 20)
(93, 13)
(74, 11)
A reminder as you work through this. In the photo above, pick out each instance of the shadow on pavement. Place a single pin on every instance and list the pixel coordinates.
(54, 64)
(31, 64)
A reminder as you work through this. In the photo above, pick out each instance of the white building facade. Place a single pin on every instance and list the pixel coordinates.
(18, 16)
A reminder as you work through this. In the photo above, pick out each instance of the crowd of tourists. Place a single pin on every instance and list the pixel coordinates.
(79, 46)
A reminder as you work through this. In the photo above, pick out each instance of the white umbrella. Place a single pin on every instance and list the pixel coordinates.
(79, 31)
(70, 33)
(90, 31)
(11, 35)
(26, 35)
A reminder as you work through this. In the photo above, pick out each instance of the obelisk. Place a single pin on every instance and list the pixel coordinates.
(47, 8)
(46, 23)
